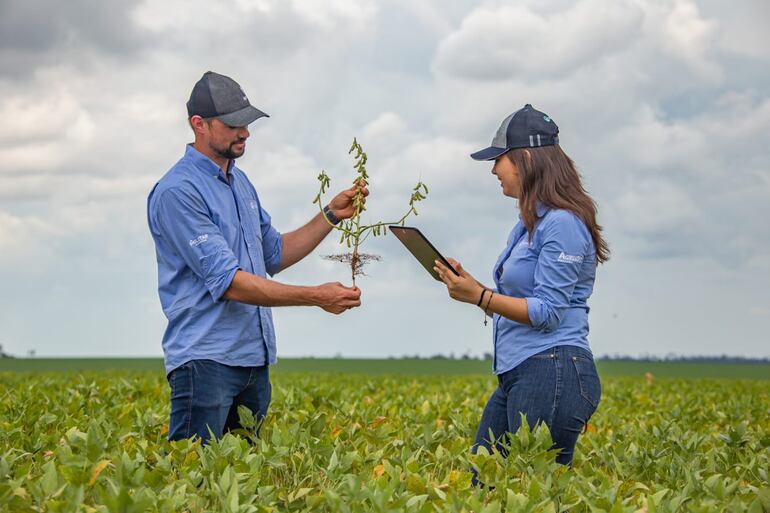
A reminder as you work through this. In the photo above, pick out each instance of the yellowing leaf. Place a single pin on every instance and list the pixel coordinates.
(377, 422)
(301, 493)
(101, 465)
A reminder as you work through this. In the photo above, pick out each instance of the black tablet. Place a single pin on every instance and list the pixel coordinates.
(421, 248)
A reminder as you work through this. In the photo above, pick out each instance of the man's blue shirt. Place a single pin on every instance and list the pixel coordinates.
(555, 273)
(206, 228)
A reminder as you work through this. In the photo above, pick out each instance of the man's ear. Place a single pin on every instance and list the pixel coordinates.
(197, 123)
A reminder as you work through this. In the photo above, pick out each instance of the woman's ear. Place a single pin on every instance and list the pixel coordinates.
(528, 156)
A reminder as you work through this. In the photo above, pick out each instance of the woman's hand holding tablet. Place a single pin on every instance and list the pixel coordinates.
(419, 246)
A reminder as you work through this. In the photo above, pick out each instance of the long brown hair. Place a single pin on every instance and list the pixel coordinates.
(549, 176)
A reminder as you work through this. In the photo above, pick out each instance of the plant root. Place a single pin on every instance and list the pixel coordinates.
(356, 262)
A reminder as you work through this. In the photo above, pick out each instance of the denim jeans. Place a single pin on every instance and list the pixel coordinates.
(559, 387)
(206, 394)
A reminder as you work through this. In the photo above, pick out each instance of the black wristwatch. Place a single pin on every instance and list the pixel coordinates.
(330, 216)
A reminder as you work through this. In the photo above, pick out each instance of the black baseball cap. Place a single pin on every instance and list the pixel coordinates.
(525, 128)
(219, 96)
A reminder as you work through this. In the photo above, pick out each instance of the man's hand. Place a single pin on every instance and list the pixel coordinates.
(463, 288)
(342, 204)
(336, 298)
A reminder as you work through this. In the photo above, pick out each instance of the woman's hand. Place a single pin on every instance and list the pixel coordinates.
(462, 288)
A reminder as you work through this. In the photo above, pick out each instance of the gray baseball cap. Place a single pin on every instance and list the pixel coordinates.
(219, 96)
(525, 128)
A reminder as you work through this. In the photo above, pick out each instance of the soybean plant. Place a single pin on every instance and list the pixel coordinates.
(352, 232)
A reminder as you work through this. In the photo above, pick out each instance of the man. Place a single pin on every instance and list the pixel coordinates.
(214, 244)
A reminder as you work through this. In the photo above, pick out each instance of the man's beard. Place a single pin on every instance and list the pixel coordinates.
(229, 153)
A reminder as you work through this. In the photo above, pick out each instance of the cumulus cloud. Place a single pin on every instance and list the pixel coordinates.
(509, 41)
(686, 35)
(46, 131)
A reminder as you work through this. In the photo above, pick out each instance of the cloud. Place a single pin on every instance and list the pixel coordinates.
(27, 239)
(388, 132)
(34, 33)
(285, 28)
(507, 41)
(742, 29)
(686, 35)
(46, 131)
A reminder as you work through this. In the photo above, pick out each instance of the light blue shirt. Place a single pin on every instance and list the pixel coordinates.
(206, 228)
(555, 273)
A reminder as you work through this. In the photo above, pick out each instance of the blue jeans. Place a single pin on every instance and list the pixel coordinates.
(559, 387)
(206, 394)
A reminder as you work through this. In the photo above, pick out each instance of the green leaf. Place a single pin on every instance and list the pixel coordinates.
(50, 479)
(232, 498)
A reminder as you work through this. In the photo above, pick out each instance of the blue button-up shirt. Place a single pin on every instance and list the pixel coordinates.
(555, 273)
(205, 228)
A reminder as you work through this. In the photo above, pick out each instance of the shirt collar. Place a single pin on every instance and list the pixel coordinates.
(541, 209)
(205, 164)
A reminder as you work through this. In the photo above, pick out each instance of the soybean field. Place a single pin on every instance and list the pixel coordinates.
(95, 441)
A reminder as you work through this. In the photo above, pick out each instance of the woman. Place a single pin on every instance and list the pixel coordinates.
(543, 279)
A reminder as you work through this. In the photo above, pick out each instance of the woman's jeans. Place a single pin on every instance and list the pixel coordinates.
(206, 394)
(559, 387)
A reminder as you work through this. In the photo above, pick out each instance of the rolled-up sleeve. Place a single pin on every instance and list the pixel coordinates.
(183, 220)
(272, 243)
(564, 248)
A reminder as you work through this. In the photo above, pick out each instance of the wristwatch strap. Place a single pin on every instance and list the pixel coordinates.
(330, 216)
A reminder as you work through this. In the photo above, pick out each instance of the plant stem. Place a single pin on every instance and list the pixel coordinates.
(357, 237)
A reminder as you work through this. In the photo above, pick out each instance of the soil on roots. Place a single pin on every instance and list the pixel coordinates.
(361, 261)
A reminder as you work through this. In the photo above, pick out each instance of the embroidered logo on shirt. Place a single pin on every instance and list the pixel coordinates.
(253, 205)
(200, 239)
(570, 259)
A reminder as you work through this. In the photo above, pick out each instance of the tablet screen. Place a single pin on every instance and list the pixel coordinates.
(421, 248)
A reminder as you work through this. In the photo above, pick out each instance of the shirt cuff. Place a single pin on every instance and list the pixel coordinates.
(535, 312)
(219, 270)
(273, 265)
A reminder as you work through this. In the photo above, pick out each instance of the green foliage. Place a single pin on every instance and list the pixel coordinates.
(96, 442)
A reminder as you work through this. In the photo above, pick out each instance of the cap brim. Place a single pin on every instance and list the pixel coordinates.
(490, 153)
(243, 117)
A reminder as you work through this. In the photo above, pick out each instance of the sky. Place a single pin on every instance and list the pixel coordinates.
(663, 104)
